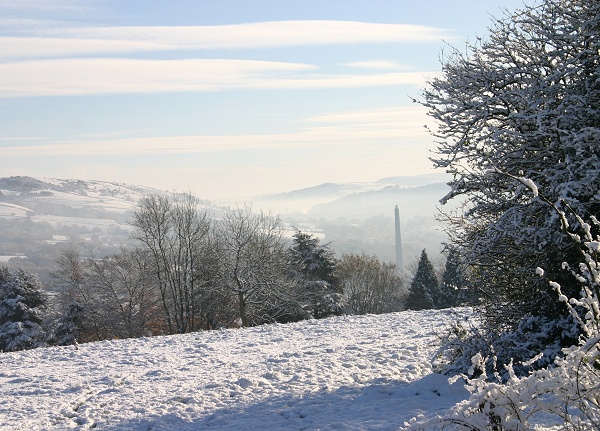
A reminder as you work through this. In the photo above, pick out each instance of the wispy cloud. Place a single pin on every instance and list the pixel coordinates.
(30, 6)
(12, 47)
(265, 34)
(351, 128)
(72, 41)
(376, 65)
(110, 76)
(64, 77)
(394, 114)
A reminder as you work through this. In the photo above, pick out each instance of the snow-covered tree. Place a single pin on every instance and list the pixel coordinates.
(423, 287)
(112, 297)
(452, 281)
(121, 296)
(22, 304)
(516, 111)
(67, 327)
(514, 397)
(315, 261)
(455, 289)
(313, 265)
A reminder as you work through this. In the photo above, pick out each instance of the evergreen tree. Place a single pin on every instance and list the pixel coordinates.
(453, 290)
(314, 261)
(422, 294)
(314, 265)
(67, 327)
(21, 306)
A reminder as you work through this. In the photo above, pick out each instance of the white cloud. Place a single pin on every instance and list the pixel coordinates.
(360, 128)
(376, 64)
(112, 76)
(39, 47)
(63, 41)
(64, 77)
(266, 34)
(29, 6)
(393, 114)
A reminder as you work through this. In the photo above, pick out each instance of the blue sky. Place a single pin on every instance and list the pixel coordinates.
(223, 98)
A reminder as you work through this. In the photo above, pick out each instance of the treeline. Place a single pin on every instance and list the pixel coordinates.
(191, 270)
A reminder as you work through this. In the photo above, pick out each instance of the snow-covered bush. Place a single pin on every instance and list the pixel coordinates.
(369, 285)
(566, 393)
(533, 335)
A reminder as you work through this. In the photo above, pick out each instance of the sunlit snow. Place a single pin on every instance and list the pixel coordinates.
(342, 373)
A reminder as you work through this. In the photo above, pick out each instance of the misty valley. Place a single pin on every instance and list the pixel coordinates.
(40, 218)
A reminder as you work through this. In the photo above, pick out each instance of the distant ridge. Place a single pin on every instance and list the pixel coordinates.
(417, 180)
(100, 204)
(412, 202)
(316, 199)
(23, 184)
(414, 194)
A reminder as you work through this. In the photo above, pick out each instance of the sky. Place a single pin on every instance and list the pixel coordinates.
(224, 98)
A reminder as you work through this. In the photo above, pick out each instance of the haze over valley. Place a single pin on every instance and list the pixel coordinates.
(41, 216)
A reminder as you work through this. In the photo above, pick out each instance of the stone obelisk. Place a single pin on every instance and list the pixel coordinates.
(399, 262)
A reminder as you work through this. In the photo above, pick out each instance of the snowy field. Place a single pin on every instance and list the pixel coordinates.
(344, 373)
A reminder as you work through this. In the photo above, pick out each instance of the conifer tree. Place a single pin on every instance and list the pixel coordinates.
(453, 282)
(423, 287)
(314, 261)
(67, 327)
(21, 306)
(314, 264)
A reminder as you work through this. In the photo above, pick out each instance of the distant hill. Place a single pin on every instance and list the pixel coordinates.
(412, 202)
(60, 201)
(305, 200)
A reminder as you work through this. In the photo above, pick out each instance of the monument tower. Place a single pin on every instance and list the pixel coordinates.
(399, 262)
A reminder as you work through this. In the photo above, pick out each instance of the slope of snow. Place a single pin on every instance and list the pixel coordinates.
(344, 373)
(8, 210)
(66, 202)
(101, 195)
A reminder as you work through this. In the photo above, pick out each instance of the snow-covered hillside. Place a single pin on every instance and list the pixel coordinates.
(64, 201)
(343, 373)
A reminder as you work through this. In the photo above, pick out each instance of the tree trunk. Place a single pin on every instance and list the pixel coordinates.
(243, 306)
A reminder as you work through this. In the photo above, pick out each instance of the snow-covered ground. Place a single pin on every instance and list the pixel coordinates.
(343, 373)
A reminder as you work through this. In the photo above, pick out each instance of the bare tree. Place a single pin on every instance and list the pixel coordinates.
(72, 273)
(123, 295)
(252, 259)
(370, 285)
(113, 297)
(176, 232)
